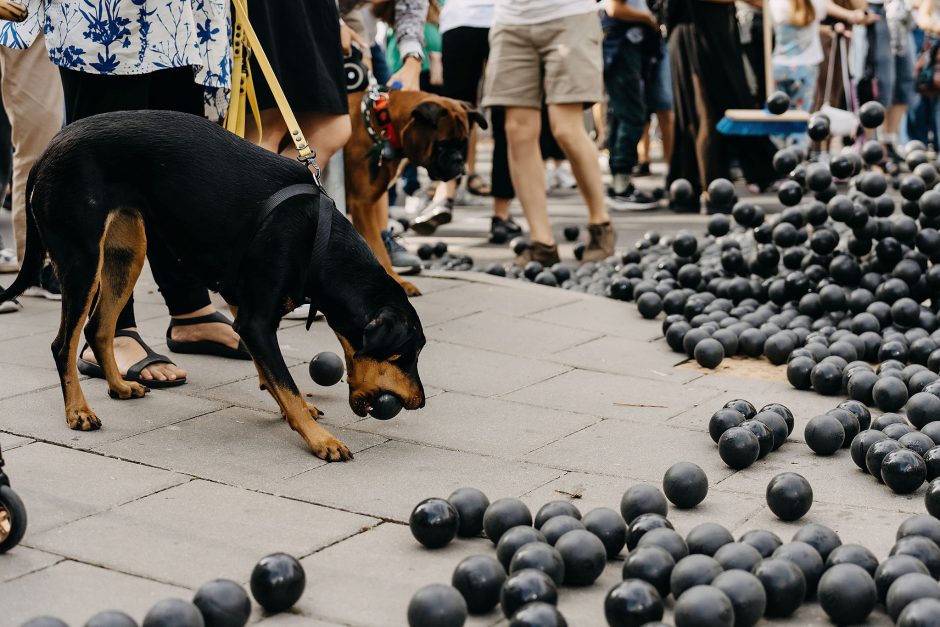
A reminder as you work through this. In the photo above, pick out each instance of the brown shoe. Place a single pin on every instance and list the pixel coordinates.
(537, 251)
(601, 241)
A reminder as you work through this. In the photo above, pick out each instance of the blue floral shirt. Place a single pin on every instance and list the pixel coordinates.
(134, 37)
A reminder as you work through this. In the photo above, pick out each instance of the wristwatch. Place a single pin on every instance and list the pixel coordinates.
(413, 55)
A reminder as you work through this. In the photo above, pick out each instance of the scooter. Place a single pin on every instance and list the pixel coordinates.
(12, 513)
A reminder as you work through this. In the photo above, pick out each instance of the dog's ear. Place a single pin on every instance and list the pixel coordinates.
(384, 335)
(474, 116)
(429, 112)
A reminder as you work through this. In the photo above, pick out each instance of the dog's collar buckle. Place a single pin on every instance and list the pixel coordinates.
(377, 119)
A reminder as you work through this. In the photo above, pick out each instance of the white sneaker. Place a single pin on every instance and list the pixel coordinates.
(551, 182)
(8, 261)
(565, 178)
(10, 306)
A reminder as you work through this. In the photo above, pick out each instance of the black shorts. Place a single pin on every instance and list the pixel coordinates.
(301, 40)
(465, 50)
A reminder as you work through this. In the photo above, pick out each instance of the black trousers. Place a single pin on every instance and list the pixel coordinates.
(165, 90)
(465, 51)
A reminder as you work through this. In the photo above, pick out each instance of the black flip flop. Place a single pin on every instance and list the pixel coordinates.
(205, 347)
(90, 369)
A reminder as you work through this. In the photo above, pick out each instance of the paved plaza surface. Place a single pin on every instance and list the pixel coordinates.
(532, 392)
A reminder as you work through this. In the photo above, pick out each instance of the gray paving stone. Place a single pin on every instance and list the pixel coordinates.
(725, 508)
(60, 485)
(619, 355)
(508, 299)
(387, 481)
(22, 379)
(602, 315)
(30, 350)
(481, 372)
(430, 284)
(628, 449)
(289, 619)
(236, 446)
(8, 441)
(369, 579)
(23, 560)
(75, 592)
(474, 424)
(41, 414)
(505, 334)
(199, 531)
(834, 479)
(614, 396)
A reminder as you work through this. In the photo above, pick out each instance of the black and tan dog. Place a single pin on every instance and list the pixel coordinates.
(388, 127)
(249, 223)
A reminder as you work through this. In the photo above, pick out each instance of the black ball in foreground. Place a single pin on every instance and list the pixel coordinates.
(707, 538)
(876, 455)
(643, 524)
(893, 569)
(746, 594)
(540, 556)
(45, 621)
(847, 594)
(584, 555)
(434, 522)
(609, 527)
(653, 565)
(527, 586)
(778, 102)
(853, 554)
(326, 369)
(924, 549)
(571, 232)
(470, 504)
(744, 406)
(765, 437)
(932, 498)
(479, 578)
(632, 602)
(920, 525)
(722, 420)
(909, 588)
(557, 526)
(537, 614)
(738, 556)
(172, 613)
(643, 499)
(667, 539)
(277, 582)
(385, 407)
(777, 425)
(223, 603)
(784, 584)
(824, 434)
(504, 514)
(553, 509)
(807, 560)
(789, 496)
(903, 471)
(709, 353)
(693, 570)
(685, 485)
(515, 539)
(921, 613)
(704, 606)
(861, 443)
(766, 542)
(437, 605)
(738, 447)
(112, 618)
(871, 114)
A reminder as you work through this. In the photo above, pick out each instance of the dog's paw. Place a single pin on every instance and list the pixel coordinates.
(409, 288)
(82, 419)
(330, 449)
(128, 390)
(314, 412)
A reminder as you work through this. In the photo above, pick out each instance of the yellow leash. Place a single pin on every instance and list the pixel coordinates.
(245, 43)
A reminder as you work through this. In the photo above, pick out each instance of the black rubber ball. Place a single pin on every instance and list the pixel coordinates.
(632, 602)
(513, 540)
(921, 613)
(165, 613)
(434, 522)
(824, 434)
(892, 569)
(691, 571)
(778, 347)
(437, 605)
(223, 603)
(876, 455)
(277, 582)
(853, 554)
(326, 369)
(889, 393)
(746, 408)
(709, 353)
(924, 549)
(932, 463)
(790, 193)
(584, 555)
(652, 564)
(746, 594)
(115, 618)
(684, 244)
(553, 509)
(784, 584)
(666, 539)
(860, 410)
(849, 422)
(707, 538)
(649, 305)
(721, 192)
(738, 447)
(789, 496)
(479, 579)
(681, 191)
(719, 225)
(841, 166)
(643, 524)
(766, 542)
(765, 437)
(918, 443)
(912, 187)
(920, 525)
(571, 232)
(847, 594)
(861, 443)
(704, 606)
(820, 537)
(385, 407)
(826, 378)
(807, 559)
(784, 162)
(778, 102)
(777, 425)
(470, 504)
(504, 514)
(922, 409)
(903, 471)
(527, 586)
(783, 411)
(426, 251)
(557, 526)
(685, 485)
(871, 114)
(818, 127)
(609, 527)
(539, 556)
(537, 614)
(872, 152)
(643, 499)
(907, 589)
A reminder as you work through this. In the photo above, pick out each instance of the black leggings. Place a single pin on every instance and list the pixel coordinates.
(164, 90)
(465, 50)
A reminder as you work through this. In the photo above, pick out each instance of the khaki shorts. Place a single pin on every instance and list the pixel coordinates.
(555, 62)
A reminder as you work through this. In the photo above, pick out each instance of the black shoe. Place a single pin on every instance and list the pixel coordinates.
(891, 154)
(502, 231)
(630, 200)
(642, 169)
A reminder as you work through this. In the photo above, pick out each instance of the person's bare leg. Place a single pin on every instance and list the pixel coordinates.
(212, 331)
(472, 151)
(666, 120)
(568, 128)
(325, 132)
(501, 208)
(893, 118)
(128, 352)
(273, 129)
(643, 146)
(528, 171)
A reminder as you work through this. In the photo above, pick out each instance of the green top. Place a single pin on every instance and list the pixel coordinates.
(432, 43)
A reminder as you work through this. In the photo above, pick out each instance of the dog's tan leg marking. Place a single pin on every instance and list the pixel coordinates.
(299, 417)
(124, 251)
(367, 218)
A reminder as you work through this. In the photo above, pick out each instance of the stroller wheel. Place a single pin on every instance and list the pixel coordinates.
(12, 519)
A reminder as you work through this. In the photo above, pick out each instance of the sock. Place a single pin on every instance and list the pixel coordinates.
(891, 139)
(621, 183)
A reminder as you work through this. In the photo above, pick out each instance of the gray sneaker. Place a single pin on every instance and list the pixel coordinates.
(403, 262)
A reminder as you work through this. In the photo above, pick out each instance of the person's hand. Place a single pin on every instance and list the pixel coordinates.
(865, 18)
(409, 76)
(347, 37)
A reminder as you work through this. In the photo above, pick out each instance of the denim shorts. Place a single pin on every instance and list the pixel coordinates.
(659, 89)
(894, 73)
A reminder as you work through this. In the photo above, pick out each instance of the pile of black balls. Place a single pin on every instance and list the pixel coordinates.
(744, 434)
(437, 257)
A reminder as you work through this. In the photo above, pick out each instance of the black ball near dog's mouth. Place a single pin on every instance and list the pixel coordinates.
(385, 406)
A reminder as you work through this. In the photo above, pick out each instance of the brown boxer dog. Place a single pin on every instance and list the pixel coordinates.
(389, 127)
